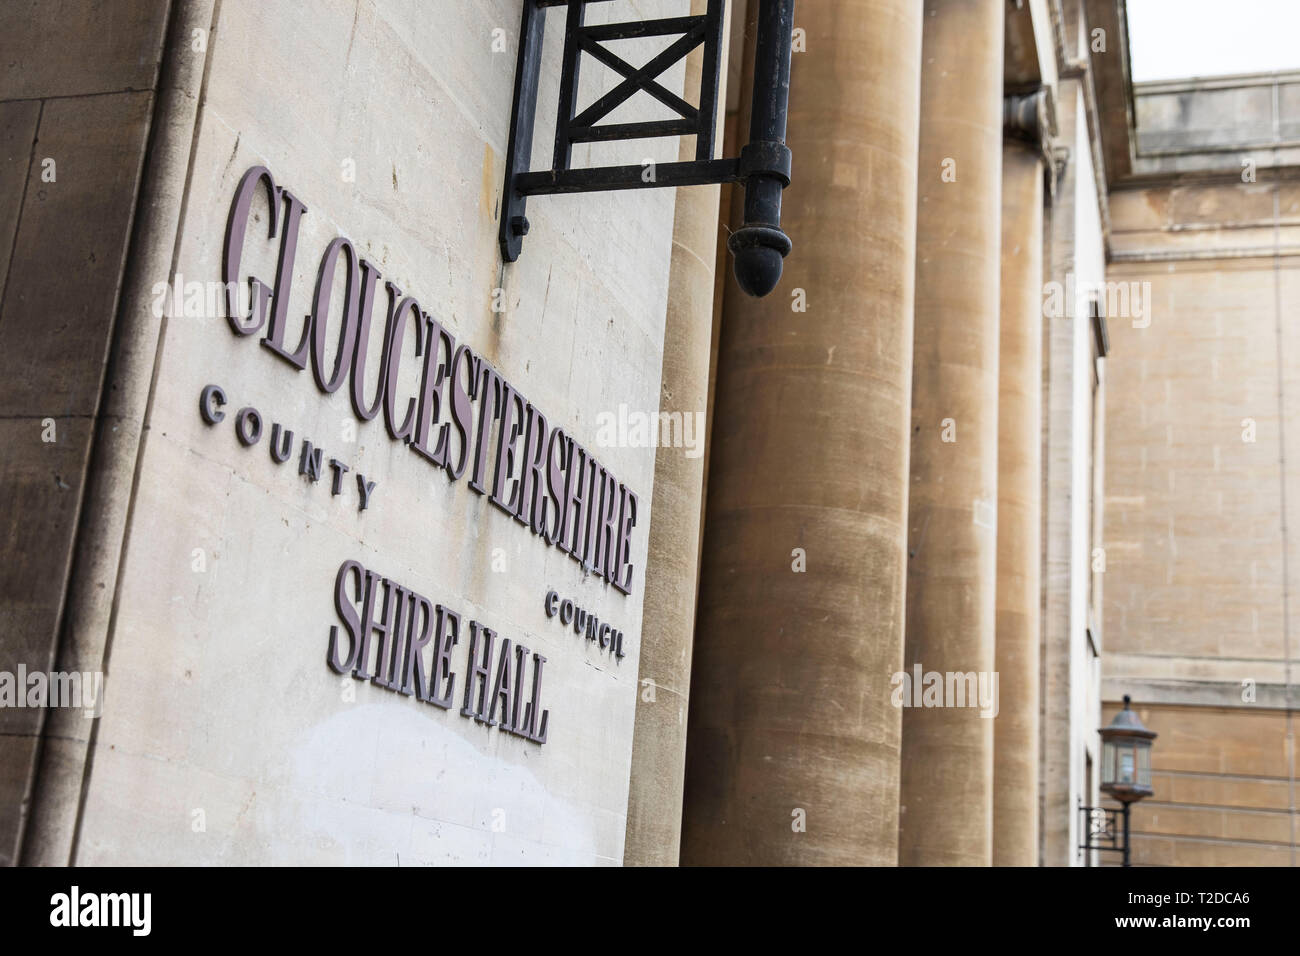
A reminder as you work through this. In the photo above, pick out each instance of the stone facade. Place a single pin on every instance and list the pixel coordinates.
(75, 116)
(224, 736)
(1198, 604)
(944, 457)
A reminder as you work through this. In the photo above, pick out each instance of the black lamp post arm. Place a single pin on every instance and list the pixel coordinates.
(759, 245)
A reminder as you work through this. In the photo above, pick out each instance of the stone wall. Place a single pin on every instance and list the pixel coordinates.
(1191, 126)
(1223, 790)
(76, 98)
(1199, 602)
(225, 736)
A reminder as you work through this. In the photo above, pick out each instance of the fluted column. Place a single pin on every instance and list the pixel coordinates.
(946, 798)
(792, 753)
(1020, 489)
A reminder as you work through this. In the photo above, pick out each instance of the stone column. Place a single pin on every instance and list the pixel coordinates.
(946, 798)
(1061, 757)
(654, 806)
(1020, 489)
(68, 738)
(792, 753)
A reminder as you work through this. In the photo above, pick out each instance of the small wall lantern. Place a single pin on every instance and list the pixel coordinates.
(1126, 757)
(1125, 777)
(763, 166)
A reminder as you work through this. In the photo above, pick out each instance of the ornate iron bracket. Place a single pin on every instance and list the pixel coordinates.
(1104, 829)
(763, 166)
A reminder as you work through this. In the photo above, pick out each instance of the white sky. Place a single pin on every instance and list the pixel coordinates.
(1177, 39)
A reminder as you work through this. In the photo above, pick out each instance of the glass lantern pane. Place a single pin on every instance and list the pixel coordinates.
(1144, 765)
(1108, 762)
(1127, 766)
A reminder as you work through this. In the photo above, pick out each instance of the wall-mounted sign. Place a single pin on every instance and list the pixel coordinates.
(249, 426)
(388, 627)
(608, 638)
(539, 476)
(392, 635)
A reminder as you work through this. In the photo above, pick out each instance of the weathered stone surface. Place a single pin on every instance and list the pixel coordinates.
(1222, 791)
(946, 788)
(790, 714)
(1016, 739)
(79, 47)
(219, 698)
(68, 254)
(672, 569)
(17, 760)
(1072, 395)
(70, 168)
(1194, 536)
(17, 138)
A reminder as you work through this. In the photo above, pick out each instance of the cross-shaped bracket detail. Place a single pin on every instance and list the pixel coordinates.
(763, 166)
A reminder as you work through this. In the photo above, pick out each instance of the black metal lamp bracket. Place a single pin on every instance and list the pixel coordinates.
(759, 246)
(1105, 829)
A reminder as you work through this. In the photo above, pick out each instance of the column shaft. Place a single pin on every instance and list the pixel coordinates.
(793, 745)
(654, 807)
(1020, 489)
(946, 794)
